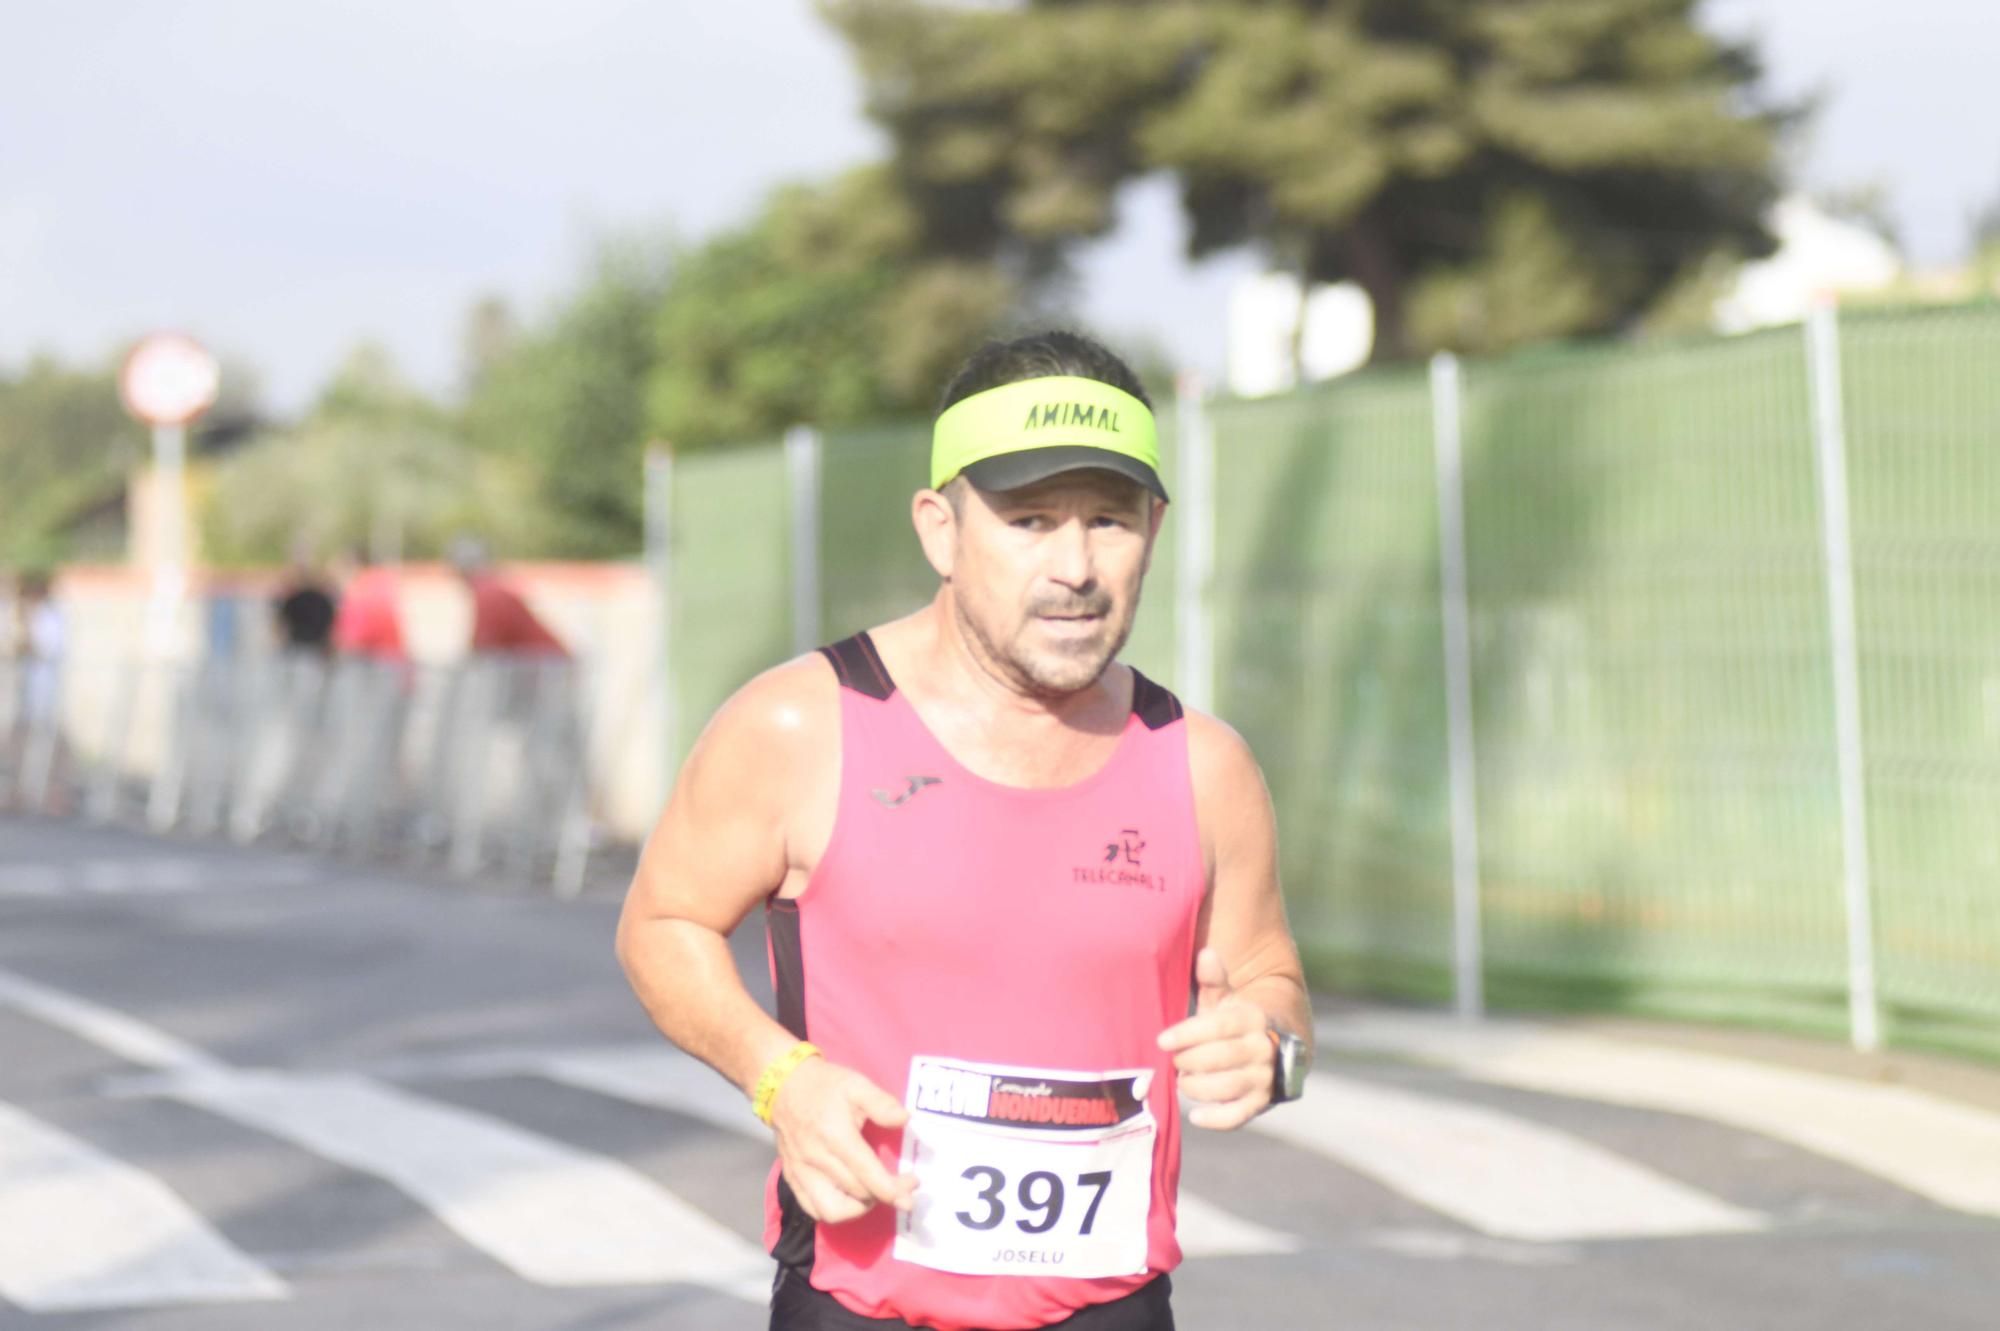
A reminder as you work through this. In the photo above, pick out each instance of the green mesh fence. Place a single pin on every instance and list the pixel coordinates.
(1151, 646)
(730, 596)
(1653, 717)
(1329, 660)
(1922, 403)
(1653, 714)
(871, 569)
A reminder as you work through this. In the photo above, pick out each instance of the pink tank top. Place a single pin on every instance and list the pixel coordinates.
(1003, 960)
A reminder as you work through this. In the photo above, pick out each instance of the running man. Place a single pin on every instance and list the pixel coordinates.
(999, 869)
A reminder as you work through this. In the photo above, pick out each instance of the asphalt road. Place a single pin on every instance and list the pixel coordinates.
(247, 1090)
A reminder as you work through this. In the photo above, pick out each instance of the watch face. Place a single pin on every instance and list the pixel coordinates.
(1290, 1073)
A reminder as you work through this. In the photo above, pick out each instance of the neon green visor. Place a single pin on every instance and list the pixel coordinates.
(1019, 433)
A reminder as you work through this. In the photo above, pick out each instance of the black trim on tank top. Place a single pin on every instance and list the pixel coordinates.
(796, 1229)
(788, 964)
(1154, 705)
(859, 666)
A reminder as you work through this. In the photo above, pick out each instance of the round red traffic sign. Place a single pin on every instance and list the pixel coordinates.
(169, 379)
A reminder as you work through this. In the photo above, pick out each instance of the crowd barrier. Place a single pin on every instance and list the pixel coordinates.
(482, 767)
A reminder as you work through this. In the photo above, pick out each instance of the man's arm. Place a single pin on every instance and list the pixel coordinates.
(1247, 972)
(731, 835)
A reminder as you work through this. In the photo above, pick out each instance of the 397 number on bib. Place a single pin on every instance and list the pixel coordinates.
(1046, 1209)
(1009, 1198)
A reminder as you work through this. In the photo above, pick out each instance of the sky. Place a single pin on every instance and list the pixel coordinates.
(284, 180)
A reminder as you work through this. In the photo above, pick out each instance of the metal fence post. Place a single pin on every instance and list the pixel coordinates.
(1194, 571)
(163, 804)
(802, 451)
(1467, 963)
(659, 494)
(1830, 452)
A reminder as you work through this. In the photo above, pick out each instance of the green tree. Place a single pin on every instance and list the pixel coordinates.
(65, 447)
(374, 464)
(821, 309)
(1489, 171)
(567, 401)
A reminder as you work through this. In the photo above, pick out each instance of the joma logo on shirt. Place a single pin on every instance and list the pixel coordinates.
(1071, 413)
(916, 783)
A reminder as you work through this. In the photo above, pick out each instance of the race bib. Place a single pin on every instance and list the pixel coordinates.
(1027, 1170)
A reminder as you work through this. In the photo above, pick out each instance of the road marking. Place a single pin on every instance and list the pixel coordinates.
(1206, 1230)
(667, 1079)
(79, 1229)
(551, 1213)
(659, 1078)
(1438, 1245)
(1939, 1149)
(130, 1039)
(1494, 1172)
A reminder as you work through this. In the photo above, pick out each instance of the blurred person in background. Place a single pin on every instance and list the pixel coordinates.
(534, 696)
(999, 870)
(41, 635)
(304, 609)
(370, 689)
(501, 619)
(367, 623)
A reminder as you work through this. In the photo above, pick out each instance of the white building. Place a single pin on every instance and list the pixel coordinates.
(1265, 309)
(1818, 256)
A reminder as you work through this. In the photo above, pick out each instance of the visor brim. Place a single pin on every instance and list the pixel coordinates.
(1011, 471)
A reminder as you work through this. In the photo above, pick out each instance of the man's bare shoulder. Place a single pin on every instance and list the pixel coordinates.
(1219, 758)
(789, 711)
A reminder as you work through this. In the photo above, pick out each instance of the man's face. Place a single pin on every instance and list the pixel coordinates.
(1046, 578)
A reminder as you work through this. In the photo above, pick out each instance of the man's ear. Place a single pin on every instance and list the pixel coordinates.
(1159, 515)
(937, 529)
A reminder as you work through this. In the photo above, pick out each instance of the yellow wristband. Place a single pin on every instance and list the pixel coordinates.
(775, 1076)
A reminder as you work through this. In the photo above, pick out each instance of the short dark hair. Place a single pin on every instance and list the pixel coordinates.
(1037, 356)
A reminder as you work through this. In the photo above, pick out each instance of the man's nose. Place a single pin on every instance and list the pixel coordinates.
(1069, 556)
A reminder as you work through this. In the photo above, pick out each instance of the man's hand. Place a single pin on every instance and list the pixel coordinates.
(833, 1170)
(1224, 1052)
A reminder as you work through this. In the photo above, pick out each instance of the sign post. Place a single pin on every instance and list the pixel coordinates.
(167, 382)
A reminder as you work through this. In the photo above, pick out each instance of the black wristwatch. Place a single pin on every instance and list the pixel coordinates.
(1288, 1071)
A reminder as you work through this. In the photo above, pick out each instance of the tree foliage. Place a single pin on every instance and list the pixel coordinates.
(65, 443)
(567, 400)
(821, 309)
(1490, 171)
(375, 464)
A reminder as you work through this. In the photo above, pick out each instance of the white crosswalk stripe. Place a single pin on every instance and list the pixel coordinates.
(81, 1230)
(110, 1030)
(547, 1211)
(666, 1079)
(102, 1233)
(1940, 1149)
(1497, 1173)
(551, 1213)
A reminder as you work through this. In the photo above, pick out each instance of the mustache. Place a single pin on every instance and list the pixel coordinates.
(1098, 606)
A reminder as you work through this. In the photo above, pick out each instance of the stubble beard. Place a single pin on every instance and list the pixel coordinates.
(1062, 671)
